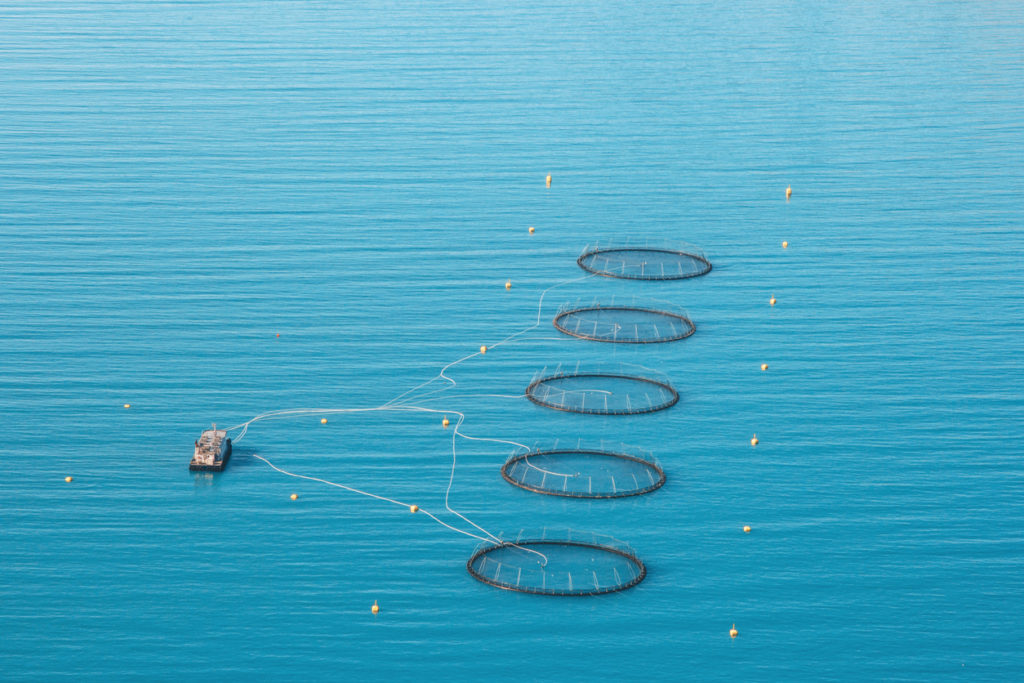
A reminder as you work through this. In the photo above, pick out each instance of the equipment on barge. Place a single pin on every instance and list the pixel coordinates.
(212, 450)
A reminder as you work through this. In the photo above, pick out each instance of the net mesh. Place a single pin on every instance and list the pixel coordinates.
(599, 390)
(629, 321)
(564, 563)
(644, 261)
(584, 470)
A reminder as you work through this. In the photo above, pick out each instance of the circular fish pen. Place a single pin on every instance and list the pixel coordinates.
(572, 564)
(602, 391)
(584, 471)
(644, 261)
(630, 322)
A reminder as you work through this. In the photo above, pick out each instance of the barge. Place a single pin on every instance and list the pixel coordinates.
(213, 448)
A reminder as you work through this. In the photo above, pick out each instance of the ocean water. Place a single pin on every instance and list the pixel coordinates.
(182, 182)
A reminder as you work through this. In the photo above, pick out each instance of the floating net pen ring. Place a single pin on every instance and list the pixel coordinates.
(574, 568)
(643, 262)
(623, 323)
(583, 472)
(601, 393)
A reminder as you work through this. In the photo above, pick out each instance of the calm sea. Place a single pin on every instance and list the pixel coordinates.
(182, 182)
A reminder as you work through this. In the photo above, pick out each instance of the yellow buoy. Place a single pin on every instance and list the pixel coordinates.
(127, 405)
(323, 420)
(746, 529)
(444, 422)
(753, 441)
(483, 349)
(789, 192)
(733, 632)
(375, 608)
(764, 366)
(785, 244)
(508, 284)
(295, 496)
(548, 180)
(414, 509)
(531, 229)
(68, 479)
(772, 300)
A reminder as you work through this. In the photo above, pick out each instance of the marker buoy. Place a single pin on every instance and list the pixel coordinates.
(444, 422)
(733, 632)
(295, 496)
(531, 229)
(753, 441)
(68, 479)
(764, 366)
(323, 420)
(414, 509)
(785, 244)
(508, 284)
(746, 529)
(375, 608)
(548, 180)
(278, 334)
(127, 405)
(789, 192)
(483, 349)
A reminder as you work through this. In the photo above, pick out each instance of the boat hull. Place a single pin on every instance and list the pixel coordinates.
(218, 465)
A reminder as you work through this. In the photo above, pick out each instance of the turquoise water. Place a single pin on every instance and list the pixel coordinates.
(180, 182)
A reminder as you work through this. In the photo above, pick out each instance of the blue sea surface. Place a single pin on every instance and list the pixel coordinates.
(182, 182)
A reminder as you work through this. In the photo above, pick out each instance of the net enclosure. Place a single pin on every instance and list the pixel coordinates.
(564, 563)
(644, 260)
(578, 470)
(618, 390)
(630, 321)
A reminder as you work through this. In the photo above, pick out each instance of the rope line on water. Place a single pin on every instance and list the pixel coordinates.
(370, 495)
(394, 404)
(535, 325)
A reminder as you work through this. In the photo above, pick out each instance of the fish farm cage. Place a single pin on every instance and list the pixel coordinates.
(581, 470)
(630, 260)
(601, 390)
(629, 321)
(569, 563)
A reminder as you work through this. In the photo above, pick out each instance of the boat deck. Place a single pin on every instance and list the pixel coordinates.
(212, 451)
